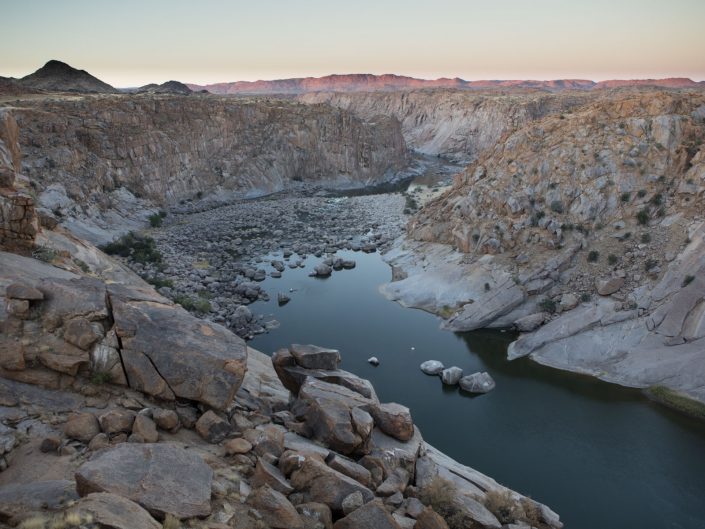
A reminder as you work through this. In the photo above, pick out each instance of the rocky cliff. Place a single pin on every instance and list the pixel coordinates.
(92, 154)
(588, 222)
(457, 124)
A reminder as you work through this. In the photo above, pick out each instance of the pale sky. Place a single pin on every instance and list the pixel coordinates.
(134, 42)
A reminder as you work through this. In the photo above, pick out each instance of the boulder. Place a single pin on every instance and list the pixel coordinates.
(322, 270)
(23, 291)
(274, 509)
(117, 420)
(267, 474)
(568, 301)
(477, 383)
(314, 357)
(531, 322)
(320, 483)
(397, 481)
(315, 515)
(349, 468)
(430, 519)
(432, 367)
(212, 428)
(82, 333)
(327, 410)
(195, 359)
(605, 287)
(393, 419)
(165, 419)
(451, 376)
(353, 501)
(114, 512)
(163, 478)
(82, 427)
(372, 515)
(145, 428)
(237, 446)
(19, 499)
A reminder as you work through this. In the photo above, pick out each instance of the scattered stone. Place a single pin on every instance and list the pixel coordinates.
(605, 287)
(50, 444)
(477, 383)
(396, 482)
(394, 419)
(274, 509)
(315, 515)
(432, 367)
(212, 428)
(82, 427)
(352, 501)
(99, 441)
(145, 428)
(267, 474)
(451, 376)
(117, 420)
(370, 516)
(322, 270)
(237, 446)
(166, 419)
(373, 360)
(282, 299)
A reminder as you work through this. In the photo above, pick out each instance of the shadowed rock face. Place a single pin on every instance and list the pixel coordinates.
(167, 148)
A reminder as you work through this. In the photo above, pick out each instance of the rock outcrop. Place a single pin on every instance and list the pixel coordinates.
(590, 221)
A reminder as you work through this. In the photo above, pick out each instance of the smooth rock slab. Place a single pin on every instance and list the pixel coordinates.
(115, 512)
(163, 478)
(432, 367)
(477, 383)
(314, 357)
(23, 498)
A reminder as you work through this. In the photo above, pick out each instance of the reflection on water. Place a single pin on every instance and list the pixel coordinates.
(600, 455)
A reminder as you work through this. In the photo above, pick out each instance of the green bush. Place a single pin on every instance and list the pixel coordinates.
(593, 256)
(646, 238)
(641, 193)
(643, 217)
(625, 197)
(193, 305)
(557, 206)
(548, 305)
(155, 220)
(139, 248)
(612, 259)
(585, 297)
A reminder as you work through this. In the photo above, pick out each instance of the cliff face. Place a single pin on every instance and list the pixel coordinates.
(458, 124)
(167, 148)
(584, 230)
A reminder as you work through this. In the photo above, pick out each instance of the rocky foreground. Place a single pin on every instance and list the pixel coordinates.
(120, 409)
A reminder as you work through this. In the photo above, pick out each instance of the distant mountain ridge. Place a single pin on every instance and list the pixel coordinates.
(390, 82)
(57, 76)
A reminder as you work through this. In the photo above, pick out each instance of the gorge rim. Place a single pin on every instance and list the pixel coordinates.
(256, 289)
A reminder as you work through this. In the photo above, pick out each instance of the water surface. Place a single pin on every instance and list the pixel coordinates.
(600, 455)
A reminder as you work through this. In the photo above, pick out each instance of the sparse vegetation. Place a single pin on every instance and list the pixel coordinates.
(503, 506)
(101, 377)
(548, 305)
(677, 401)
(155, 220)
(439, 495)
(585, 297)
(193, 305)
(171, 522)
(82, 265)
(593, 256)
(646, 238)
(612, 259)
(643, 217)
(625, 197)
(158, 283)
(139, 248)
(650, 264)
(44, 253)
(641, 193)
(557, 206)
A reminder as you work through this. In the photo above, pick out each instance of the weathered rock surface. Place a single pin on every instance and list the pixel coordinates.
(372, 515)
(477, 383)
(41, 496)
(162, 478)
(432, 367)
(274, 509)
(115, 512)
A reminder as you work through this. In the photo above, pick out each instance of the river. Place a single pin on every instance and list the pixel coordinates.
(598, 454)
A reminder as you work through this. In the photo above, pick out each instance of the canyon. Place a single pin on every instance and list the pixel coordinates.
(574, 219)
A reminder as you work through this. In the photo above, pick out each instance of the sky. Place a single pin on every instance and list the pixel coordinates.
(135, 42)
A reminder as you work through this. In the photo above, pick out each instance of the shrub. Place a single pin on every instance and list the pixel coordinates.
(557, 206)
(193, 305)
(82, 265)
(612, 259)
(657, 199)
(641, 193)
(548, 305)
(159, 283)
(101, 377)
(643, 217)
(677, 401)
(585, 297)
(139, 248)
(487, 287)
(439, 495)
(44, 253)
(503, 506)
(625, 197)
(155, 220)
(593, 256)
(532, 513)
(646, 238)
(650, 264)
(687, 280)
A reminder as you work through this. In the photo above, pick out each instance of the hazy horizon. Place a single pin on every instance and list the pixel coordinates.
(133, 43)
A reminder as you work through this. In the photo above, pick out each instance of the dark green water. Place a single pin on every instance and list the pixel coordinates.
(600, 455)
